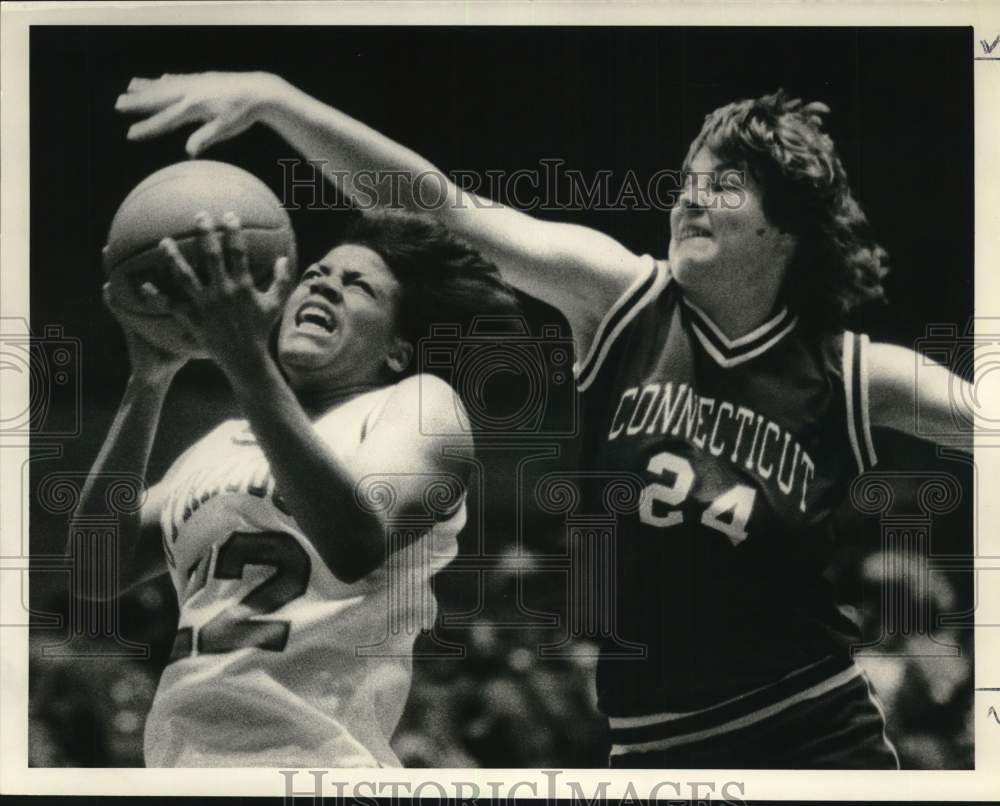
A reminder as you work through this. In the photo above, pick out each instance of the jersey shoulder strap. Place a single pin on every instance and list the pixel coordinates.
(854, 373)
(646, 288)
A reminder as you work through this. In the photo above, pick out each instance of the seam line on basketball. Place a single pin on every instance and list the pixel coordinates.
(185, 235)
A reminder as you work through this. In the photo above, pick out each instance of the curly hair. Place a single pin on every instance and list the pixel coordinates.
(779, 141)
(443, 279)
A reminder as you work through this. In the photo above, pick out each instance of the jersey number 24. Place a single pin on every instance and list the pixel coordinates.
(728, 513)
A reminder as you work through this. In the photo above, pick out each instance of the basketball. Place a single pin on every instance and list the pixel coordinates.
(165, 204)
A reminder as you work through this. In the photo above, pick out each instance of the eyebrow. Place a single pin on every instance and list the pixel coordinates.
(353, 273)
(349, 272)
(718, 169)
(729, 166)
(359, 274)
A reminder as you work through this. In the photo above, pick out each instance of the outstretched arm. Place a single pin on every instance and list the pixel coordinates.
(898, 392)
(576, 269)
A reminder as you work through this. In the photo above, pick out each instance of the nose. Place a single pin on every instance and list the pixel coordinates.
(326, 286)
(692, 197)
(682, 206)
(686, 201)
(684, 196)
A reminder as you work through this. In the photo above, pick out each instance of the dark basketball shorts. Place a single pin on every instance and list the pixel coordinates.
(843, 728)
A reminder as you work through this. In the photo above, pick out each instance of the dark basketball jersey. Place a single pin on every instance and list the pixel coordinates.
(744, 447)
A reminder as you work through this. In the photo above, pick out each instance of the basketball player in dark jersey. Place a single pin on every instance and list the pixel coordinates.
(723, 377)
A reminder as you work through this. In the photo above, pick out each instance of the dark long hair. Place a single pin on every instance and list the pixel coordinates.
(444, 280)
(780, 142)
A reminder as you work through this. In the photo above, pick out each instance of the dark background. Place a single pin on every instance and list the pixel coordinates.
(616, 99)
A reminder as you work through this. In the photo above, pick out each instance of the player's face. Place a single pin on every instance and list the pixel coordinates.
(339, 324)
(719, 235)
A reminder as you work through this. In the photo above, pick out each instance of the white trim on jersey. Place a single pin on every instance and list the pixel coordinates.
(743, 721)
(586, 370)
(732, 361)
(727, 352)
(866, 426)
(756, 333)
(599, 333)
(855, 373)
(847, 372)
(873, 698)
(619, 722)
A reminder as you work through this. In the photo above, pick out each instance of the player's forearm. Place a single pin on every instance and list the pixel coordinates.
(124, 454)
(317, 485)
(370, 168)
(127, 446)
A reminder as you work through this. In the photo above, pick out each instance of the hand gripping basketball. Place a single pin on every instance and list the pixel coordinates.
(229, 317)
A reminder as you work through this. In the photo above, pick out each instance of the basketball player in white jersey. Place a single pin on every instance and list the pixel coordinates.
(299, 599)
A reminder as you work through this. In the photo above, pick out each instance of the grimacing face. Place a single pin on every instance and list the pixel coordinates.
(338, 328)
(719, 234)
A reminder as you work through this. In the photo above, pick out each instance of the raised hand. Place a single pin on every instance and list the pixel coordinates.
(226, 104)
(225, 312)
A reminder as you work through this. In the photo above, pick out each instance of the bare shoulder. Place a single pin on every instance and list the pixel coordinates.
(888, 358)
(891, 370)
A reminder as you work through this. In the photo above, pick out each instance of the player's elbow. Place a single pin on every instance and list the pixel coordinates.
(357, 549)
(351, 567)
(350, 573)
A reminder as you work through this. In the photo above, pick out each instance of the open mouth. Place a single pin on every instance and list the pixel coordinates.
(693, 231)
(315, 316)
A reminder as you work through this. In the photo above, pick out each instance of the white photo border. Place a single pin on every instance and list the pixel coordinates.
(15, 776)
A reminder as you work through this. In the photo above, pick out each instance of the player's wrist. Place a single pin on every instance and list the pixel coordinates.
(275, 99)
(151, 381)
(251, 370)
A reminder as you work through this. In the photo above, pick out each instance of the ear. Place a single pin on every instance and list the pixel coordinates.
(399, 356)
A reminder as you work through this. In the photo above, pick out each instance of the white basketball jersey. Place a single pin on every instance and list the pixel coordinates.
(277, 663)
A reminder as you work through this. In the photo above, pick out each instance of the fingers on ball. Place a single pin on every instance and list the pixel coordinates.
(235, 245)
(178, 267)
(210, 249)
